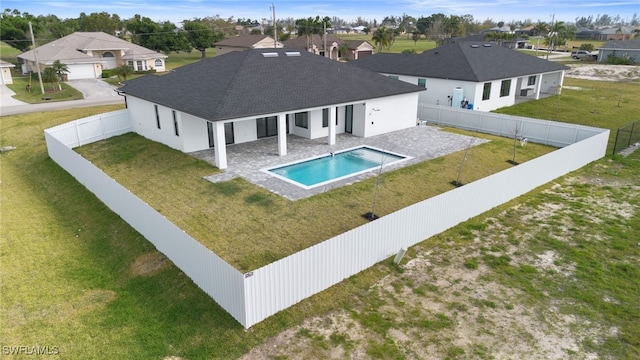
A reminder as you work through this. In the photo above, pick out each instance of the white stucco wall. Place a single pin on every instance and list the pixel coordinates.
(245, 131)
(143, 121)
(389, 114)
(193, 131)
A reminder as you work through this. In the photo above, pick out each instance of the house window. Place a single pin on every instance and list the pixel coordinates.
(141, 65)
(267, 126)
(486, 92)
(302, 120)
(394, 77)
(108, 54)
(157, 116)
(325, 117)
(422, 83)
(158, 63)
(505, 87)
(130, 63)
(175, 123)
(532, 80)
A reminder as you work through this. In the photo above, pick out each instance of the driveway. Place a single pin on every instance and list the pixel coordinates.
(95, 91)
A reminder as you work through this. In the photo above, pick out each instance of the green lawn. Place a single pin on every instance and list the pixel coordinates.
(51, 91)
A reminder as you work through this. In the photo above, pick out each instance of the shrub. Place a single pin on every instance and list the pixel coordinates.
(587, 47)
(107, 73)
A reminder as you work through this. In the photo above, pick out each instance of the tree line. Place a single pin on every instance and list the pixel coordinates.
(202, 33)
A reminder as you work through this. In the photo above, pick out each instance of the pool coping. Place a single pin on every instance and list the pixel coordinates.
(270, 169)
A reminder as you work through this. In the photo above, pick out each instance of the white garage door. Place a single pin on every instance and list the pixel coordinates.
(81, 71)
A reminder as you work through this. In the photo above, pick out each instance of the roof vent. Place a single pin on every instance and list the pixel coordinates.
(487, 45)
(270, 54)
(292, 53)
(475, 46)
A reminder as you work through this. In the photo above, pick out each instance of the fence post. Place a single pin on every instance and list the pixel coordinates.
(633, 125)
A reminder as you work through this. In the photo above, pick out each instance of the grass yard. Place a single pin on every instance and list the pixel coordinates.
(251, 227)
(401, 43)
(603, 104)
(35, 96)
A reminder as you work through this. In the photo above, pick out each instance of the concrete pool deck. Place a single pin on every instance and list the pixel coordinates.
(246, 160)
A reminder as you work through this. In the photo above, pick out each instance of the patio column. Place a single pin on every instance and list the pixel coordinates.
(332, 125)
(219, 145)
(282, 134)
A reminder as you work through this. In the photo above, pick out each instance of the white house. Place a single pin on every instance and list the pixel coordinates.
(473, 75)
(5, 68)
(86, 54)
(248, 95)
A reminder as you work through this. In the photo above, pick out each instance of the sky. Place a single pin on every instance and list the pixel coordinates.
(176, 11)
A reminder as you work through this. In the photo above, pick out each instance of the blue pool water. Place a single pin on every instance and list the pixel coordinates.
(329, 168)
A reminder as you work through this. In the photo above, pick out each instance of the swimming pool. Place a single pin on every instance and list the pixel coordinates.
(332, 167)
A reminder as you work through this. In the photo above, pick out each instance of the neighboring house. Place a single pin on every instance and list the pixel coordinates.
(618, 48)
(609, 33)
(517, 43)
(6, 77)
(478, 75)
(86, 54)
(330, 46)
(245, 96)
(246, 42)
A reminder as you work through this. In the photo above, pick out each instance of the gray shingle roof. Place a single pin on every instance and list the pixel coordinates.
(633, 44)
(246, 83)
(467, 61)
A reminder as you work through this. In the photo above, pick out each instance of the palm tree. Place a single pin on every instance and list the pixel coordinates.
(60, 69)
(382, 38)
(50, 76)
(124, 71)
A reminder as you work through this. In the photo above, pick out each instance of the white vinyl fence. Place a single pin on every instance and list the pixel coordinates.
(252, 297)
(545, 132)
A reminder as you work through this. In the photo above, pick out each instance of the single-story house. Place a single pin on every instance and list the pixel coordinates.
(473, 75)
(246, 42)
(245, 96)
(86, 54)
(6, 77)
(357, 49)
(620, 48)
(606, 33)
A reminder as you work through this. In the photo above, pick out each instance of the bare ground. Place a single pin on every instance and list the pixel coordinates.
(604, 72)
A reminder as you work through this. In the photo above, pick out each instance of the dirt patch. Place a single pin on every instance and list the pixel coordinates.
(604, 72)
(149, 264)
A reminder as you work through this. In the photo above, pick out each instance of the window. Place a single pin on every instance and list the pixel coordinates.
(422, 83)
(302, 120)
(175, 123)
(532, 80)
(158, 63)
(108, 54)
(505, 87)
(394, 77)
(139, 65)
(486, 92)
(267, 126)
(157, 116)
(325, 117)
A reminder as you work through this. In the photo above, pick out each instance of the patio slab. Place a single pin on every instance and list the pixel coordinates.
(247, 160)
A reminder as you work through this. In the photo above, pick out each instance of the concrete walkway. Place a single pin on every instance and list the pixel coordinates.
(249, 160)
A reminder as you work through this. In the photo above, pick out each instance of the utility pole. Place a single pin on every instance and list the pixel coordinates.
(35, 51)
(275, 27)
(324, 35)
